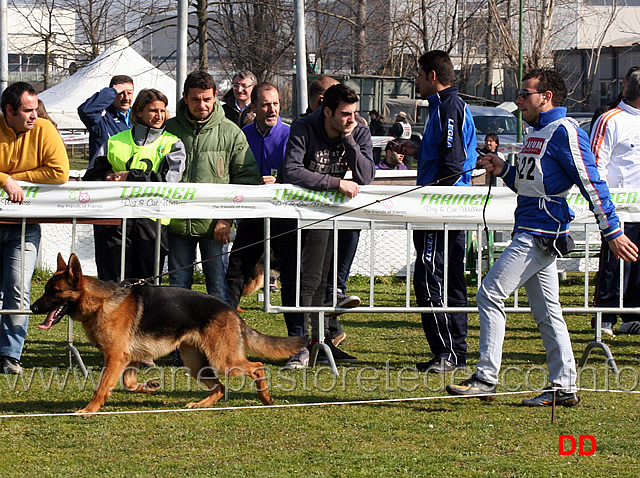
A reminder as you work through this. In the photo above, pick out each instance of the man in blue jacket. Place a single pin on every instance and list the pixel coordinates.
(447, 150)
(107, 112)
(267, 137)
(555, 156)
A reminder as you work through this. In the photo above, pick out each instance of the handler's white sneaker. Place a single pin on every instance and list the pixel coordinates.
(299, 360)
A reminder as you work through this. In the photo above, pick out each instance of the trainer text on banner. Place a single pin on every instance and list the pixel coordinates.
(189, 200)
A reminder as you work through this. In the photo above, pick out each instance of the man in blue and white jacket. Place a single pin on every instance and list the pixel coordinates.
(555, 156)
(447, 150)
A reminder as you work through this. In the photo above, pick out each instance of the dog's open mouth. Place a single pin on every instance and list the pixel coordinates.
(54, 316)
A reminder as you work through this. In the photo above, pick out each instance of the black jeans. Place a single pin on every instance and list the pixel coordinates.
(316, 256)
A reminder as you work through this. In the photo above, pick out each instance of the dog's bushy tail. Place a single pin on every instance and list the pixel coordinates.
(270, 347)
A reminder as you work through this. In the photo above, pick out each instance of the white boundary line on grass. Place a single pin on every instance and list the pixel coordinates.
(294, 405)
(262, 407)
(288, 405)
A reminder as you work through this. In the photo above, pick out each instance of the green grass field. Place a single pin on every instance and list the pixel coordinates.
(440, 437)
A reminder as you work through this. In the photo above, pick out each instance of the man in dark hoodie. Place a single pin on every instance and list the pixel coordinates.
(321, 147)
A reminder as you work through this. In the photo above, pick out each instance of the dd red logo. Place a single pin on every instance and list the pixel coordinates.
(572, 441)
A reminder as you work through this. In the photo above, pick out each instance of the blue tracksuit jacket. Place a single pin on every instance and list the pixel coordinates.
(448, 145)
(102, 119)
(554, 157)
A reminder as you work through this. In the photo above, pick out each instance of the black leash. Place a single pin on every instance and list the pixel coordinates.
(484, 208)
(127, 283)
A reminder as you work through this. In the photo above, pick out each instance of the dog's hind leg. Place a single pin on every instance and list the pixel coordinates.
(199, 367)
(131, 384)
(255, 370)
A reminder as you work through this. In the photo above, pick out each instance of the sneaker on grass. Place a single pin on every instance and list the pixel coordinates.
(474, 386)
(545, 399)
(10, 365)
(629, 328)
(337, 341)
(606, 328)
(343, 302)
(437, 365)
(348, 301)
(338, 355)
(299, 360)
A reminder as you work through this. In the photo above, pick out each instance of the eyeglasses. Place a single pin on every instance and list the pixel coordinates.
(523, 94)
(237, 86)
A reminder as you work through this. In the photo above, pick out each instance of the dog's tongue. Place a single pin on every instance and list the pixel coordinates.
(48, 322)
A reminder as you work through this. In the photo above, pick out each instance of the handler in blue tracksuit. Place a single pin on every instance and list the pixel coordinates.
(447, 150)
(554, 157)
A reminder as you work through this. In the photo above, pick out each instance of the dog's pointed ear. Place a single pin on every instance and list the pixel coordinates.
(62, 265)
(74, 270)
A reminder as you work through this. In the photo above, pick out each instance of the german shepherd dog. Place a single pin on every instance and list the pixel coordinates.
(129, 324)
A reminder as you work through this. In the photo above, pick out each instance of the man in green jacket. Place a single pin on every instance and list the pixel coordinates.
(217, 152)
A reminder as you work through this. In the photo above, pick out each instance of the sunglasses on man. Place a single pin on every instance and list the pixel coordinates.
(524, 94)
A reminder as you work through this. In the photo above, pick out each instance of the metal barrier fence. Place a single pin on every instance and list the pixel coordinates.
(484, 251)
(478, 261)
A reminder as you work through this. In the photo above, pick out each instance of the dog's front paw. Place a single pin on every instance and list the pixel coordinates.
(85, 413)
(151, 386)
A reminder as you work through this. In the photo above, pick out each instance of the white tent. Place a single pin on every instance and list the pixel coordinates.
(63, 99)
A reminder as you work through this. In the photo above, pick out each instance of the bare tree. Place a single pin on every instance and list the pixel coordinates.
(202, 11)
(594, 54)
(93, 23)
(252, 34)
(100, 22)
(599, 22)
(351, 35)
(44, 28)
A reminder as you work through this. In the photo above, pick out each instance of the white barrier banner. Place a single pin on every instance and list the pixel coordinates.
(434, 204)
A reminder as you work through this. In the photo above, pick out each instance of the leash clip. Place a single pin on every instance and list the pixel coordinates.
(128, 285)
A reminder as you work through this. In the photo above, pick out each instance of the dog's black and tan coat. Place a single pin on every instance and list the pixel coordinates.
(145, 321)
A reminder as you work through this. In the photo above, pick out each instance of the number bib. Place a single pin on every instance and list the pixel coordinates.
(529, 171)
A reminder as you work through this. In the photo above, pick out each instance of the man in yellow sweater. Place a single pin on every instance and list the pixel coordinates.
(30, 150)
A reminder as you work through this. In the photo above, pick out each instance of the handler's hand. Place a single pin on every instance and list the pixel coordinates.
(222, 231)
(623, 248)
(406, 147)
(268, 180)
(14, 191)
(121, 176)
(350, 188)
(491, 162)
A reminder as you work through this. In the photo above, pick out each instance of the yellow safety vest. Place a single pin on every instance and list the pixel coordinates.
(124, 154)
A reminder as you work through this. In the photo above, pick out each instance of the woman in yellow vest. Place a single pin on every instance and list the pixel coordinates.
(145, 153)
